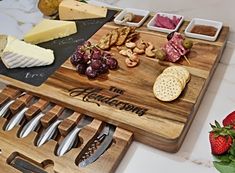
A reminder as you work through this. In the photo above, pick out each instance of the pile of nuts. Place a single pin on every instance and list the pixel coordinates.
(132, 50)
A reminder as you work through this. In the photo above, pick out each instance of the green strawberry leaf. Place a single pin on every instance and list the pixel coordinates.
(232, 150)
(225, 167)
(223, 158)
(217, 124)
(232, 158)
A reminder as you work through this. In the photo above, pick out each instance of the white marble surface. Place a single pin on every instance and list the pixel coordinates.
(18, 16)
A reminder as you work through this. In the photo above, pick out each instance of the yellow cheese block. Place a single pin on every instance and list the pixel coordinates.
(72, 10)
(48, 30)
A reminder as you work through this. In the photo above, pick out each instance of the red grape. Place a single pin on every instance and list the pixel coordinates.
(91, 73)
(112, 63)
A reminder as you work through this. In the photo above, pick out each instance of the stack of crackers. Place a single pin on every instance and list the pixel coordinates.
(169, 85)
(117, 37)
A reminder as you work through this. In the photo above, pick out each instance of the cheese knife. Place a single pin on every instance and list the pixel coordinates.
(50, 131)
(16, 119)
(99, 146)
(33, 123)
(70, 139)
(4, 109)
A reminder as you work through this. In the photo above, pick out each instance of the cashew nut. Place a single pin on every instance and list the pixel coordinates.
(129, 52)
(141, 45)
(123, 52)
(149, 50)
(130, 63)
(134, 57)
(138, 51)
(130, 45)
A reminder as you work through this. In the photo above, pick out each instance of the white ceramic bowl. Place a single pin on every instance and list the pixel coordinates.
(151, 24)
(197, 21)
(119, 17)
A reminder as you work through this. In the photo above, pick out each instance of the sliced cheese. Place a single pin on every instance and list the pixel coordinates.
(72, 10)
(17, 53)
(48, 30)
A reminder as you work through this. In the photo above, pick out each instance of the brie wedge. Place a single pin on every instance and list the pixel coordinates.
(16, 53)
(48, 30)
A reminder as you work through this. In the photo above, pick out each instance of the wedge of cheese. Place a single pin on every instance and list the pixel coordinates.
(16, 53)
(48, 30)
(72, 10)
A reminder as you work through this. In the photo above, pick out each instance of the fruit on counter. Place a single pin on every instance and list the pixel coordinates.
(49, 7)
(16, 53)
(48, 30)
(229, 120)
(169, 85)
(220, 139)
(166, 22)
(73, 10)
(92, 61)
(176, 47)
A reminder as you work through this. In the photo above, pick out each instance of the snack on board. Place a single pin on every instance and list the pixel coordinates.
(169, 85)
(118, 37)
(167, 22)
(16, 53)
(92, 61)
(48, 30)
(176, 47)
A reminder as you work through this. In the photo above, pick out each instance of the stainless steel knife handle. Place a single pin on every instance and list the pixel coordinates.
(5, 108)
(68, 142)
(15, 120)
(31, 125)
(48, 133)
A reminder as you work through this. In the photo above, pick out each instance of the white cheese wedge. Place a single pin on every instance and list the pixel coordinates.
(48, 30)
(72, 10)
(15, 53)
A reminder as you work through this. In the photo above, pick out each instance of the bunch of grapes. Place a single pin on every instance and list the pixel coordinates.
(92, 61)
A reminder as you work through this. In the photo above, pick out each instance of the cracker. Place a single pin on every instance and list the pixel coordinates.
(123, 33)
(180, 70)
(178, 75)
(167, 88)
(104, 42)
(114, 37)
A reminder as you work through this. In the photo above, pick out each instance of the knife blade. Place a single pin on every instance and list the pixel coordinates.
(70, 139)
(104, 140)
(16, 119)
(50, 131)
(33, 123)
(25, 167)
(4, 109)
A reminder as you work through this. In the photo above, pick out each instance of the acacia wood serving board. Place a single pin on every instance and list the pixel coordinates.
(124, 97)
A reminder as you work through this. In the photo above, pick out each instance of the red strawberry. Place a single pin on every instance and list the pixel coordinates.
(230, 120)
(220, 144)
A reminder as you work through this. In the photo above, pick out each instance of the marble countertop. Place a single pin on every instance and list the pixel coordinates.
(18, 16)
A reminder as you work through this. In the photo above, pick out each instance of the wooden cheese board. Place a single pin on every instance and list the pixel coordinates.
(13, 148)
(124, 97)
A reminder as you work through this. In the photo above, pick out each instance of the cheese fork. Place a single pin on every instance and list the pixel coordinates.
(33, 123)
(50, 131)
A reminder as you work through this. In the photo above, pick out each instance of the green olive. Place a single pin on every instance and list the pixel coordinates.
(160, 54)
(188, 44)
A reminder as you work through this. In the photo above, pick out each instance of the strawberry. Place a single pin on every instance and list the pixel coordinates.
(230, 120)
(221, 138)
(219, 144)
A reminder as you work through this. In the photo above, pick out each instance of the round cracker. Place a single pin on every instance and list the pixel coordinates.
(176, 74)
(167, 88)
(180, 70)
(166, 75)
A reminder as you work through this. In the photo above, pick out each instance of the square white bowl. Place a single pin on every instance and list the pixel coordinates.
(197, 21)
(151, 24)
(119, 17)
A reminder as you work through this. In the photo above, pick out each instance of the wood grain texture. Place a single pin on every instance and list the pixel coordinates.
(44, 157)
(163, 125)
